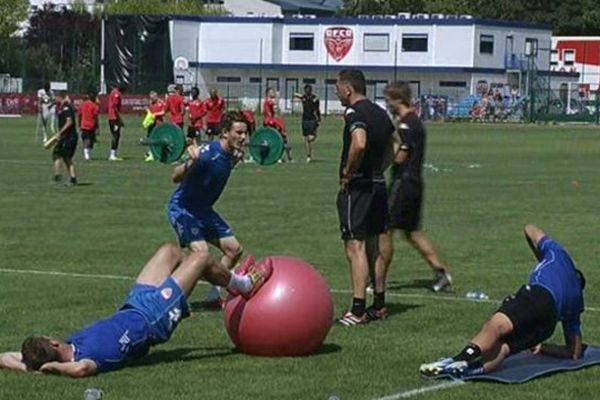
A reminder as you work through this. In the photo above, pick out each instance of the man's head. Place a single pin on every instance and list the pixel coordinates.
(234, 131)
(308, 89)
(270, 92)
(179, 89)
(61, 96)
(195, 92)
(39, 350)
(350, 86)
(153, 96)
(398, 97)
(214, 93)
(47, 86)
(91, 95)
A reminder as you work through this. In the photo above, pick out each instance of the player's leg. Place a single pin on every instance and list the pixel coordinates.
(442, 278)
(71, 168)
(115, 130)
(231, 249)
(161, 265)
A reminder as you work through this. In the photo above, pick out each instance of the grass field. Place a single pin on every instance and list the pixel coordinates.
(488, 181)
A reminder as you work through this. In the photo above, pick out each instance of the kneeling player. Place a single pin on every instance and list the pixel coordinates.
(153, 309)
(523, 321)
(270, 120)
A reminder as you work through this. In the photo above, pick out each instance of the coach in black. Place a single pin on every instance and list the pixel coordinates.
(311, 118)
(406, 189)
(63, 152)
(362, 200)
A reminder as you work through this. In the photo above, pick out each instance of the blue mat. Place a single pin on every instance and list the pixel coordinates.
(525, 366)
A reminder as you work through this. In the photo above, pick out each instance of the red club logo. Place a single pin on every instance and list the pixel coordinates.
(338, 41)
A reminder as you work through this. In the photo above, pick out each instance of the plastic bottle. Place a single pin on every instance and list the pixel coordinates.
(93, 394)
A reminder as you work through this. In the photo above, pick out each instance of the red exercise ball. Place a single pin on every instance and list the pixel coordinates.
(289, 316)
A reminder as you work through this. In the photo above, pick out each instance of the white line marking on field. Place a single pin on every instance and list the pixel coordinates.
(421, 390)
(342, 291)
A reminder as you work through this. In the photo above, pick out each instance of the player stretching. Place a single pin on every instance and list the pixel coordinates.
(153, 309)
(311, 118)
(197, 114)
(176, 107)
(66, 140)
(406, 188)
(215, 105)
(523, 321)
(201, 180)
(45, 112)
(270, 120)
(88, 123)
(115, 122)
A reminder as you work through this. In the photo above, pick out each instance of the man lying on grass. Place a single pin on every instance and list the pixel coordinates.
(153, 309)
(523, 321)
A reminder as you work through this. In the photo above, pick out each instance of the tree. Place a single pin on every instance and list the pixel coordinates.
(13, 13)
(157, 7)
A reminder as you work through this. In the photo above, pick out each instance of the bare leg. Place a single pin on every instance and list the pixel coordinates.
(232, 251)
(359, 266)
(492, 332)
(377, 262)
(418, 240)
(161, 265)
(58, 164)
(494, 358)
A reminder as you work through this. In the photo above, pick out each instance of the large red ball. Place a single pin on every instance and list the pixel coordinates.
(289, 316)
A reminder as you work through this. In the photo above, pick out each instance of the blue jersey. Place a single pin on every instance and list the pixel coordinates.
(112, 342)
(556, 273)
(205, 180)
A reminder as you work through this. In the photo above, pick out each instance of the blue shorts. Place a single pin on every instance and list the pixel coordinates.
(206, 226)
(163, 307)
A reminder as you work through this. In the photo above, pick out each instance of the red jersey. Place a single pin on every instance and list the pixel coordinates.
(114, 104)
(269, 109)
(176, 108)
(158, 109)
(249, 116)
(88, 116)
(216, 108)
(197, 112)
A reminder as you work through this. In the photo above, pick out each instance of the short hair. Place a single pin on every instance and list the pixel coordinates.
(47, 86)
(355, 78)
(230, 118)
(308, 86)
(91, 95)
(268, 89)
(399, 91)
(178, 88)
(195, 92)
(37, 351)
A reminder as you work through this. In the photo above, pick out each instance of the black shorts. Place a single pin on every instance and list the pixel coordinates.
(363, 210)
(533, 314)
(88, 137)
(309, 128)
(115, 127)
(65, 148)
(405, 204)
(212, 129)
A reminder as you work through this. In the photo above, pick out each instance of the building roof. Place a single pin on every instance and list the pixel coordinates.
(318, 7)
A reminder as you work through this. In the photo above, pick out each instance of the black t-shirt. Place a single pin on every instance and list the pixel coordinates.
(66, 111)
(375, 121)
(310, 107)
(413, 136)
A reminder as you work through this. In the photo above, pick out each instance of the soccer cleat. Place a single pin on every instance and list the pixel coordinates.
(308, 160)
(442, 281)
(149, 157)
(258, 274)
(114, 158)
(349, 319)
(244, 266)
(436, 369)
(375, 314)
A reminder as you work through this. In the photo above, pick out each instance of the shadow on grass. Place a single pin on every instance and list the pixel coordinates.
(398, 308)
(415, 284)
(182, 355)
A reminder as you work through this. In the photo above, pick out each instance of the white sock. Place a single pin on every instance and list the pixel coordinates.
(240, 283)
(86, 154)
(213, 294)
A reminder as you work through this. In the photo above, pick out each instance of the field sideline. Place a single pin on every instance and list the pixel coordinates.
(67, 256)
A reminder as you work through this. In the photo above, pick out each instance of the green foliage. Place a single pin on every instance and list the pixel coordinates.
(159, 7)
(12, 13)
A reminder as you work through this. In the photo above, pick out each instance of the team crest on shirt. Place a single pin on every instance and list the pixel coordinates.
(166, 293)
(338, 41)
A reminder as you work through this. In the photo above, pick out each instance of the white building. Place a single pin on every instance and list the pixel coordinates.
(446, 55)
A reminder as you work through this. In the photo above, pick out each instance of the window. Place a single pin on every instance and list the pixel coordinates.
(414, 42)
(309, 81)
(531, 47)
(569, 58)
(302, 41)
(376, 42)
(454, 84)
(228, 79)
(255, 80)
(486, 44)
(554, 58)
(330, 81)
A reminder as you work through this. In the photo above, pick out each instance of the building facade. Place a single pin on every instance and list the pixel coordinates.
(579, 54)
(454, 56)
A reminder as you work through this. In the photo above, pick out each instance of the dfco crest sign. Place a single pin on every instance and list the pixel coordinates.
(338, 41)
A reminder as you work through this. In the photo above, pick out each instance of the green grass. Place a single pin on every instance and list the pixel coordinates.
(491, 180)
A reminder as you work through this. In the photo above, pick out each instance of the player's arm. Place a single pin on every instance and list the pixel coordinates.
(356, 152)
(533, 235)
(12, 361)
(318, 110)
(180, 171)
(73, 369)
(401, 143)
